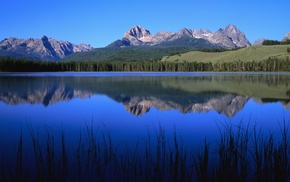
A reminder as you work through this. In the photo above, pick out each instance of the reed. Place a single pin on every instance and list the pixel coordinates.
(240, 154)
(201, 163)
(50, 155)
(3, 175)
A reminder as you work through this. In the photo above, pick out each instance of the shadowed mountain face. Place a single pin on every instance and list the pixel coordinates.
(226, 94)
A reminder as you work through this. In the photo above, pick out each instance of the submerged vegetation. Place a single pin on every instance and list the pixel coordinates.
(240, 154)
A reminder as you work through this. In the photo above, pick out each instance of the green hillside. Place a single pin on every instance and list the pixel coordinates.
(126, 54)
(253, 53)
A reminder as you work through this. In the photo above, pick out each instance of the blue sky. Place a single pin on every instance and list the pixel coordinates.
(100, 22)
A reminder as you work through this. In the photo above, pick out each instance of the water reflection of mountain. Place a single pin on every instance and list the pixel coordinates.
(227, 104)
(226, 94)
(18, 90)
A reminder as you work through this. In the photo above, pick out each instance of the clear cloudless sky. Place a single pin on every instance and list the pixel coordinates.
(100, 22)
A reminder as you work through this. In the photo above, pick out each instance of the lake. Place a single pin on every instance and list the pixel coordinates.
(132, 107)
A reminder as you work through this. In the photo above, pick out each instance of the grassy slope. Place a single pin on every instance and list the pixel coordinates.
(253, 53)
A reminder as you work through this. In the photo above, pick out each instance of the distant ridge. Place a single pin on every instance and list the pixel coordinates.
(259, 41)
(140, 45)
(287, 37)
(45, 49)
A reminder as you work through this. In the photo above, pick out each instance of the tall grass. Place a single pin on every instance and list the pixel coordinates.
(240, 154)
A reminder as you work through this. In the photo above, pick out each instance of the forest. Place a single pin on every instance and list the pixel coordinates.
(276, 42)
(23, 65)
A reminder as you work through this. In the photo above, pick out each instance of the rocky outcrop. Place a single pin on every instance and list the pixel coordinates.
(229, 37)
(45, 49)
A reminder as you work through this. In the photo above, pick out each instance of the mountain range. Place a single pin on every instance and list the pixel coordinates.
(228, 37)
(49, 49)
(138, 44)
(45, 49)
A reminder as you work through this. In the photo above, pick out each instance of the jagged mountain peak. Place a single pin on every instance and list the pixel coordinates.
(237, 36)
(138, 32)
(44, 37)
(185, 31)
(232, 30)
(136, 36)
(231, 27)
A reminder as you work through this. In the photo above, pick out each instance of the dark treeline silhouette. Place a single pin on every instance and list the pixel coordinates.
(276, 42)
(22, 65)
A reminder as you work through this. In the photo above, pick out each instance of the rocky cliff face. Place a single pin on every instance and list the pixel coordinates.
(46, 49)
(229, 37)
(237, 37)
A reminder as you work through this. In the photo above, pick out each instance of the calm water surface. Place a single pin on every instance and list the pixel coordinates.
(132, 105)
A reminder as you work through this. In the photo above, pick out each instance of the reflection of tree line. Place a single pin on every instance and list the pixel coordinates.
(254, 85)
(269, 79)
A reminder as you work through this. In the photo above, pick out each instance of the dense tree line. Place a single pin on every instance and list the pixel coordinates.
(276, 42)
(18, 65)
